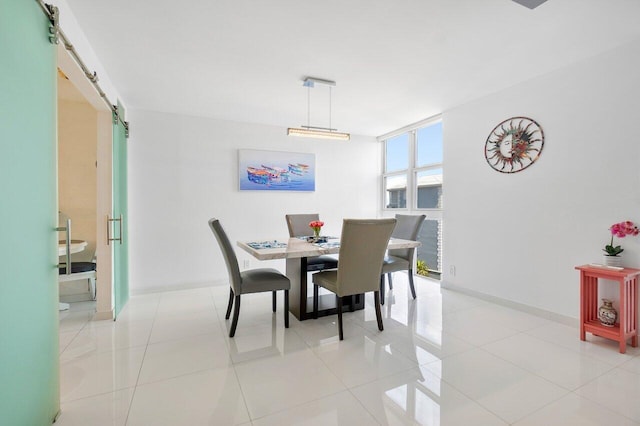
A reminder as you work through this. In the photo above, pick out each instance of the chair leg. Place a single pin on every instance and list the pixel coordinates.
(413, 289)
(236, 314)
(376, 300)
(92, 288)
(230, 305)
(340, 317)
(315, 301)
(382, 290)
(286, 309)
(273, 301)
(390, 281)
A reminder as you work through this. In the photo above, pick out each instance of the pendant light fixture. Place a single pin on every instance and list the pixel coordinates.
(531, 4)
(310, 131)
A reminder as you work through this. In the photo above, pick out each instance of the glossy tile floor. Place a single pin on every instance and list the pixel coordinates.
(443, 359)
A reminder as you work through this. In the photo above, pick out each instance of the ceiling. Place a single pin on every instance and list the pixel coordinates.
(394, 62)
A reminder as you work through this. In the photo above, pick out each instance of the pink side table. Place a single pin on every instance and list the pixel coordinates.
(627, 327)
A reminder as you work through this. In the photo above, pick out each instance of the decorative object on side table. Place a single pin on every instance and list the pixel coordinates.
(316, 225)
(612, 253)
(607, 313)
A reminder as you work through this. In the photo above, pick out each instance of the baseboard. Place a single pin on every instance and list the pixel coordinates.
(180, 286)
(78, 297)
(552, 316)
(104, 315)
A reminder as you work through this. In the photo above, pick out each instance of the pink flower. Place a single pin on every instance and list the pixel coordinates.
(316, 224)
(620, 230)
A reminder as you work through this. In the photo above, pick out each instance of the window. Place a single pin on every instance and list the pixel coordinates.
(397, 150)
(413, 180)
(396, 192)
(429, 144)
(429, 188)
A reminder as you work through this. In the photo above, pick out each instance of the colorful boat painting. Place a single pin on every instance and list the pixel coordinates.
(260, 176)
(276, 171)
(267, 174)
(298, 169)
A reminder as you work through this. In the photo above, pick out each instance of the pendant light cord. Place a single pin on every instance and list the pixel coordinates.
(308, 106)
(330, 108)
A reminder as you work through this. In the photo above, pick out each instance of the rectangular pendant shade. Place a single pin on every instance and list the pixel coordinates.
(317, 133)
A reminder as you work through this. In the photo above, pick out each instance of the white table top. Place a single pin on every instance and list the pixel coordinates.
(76, 246)
(297, 248)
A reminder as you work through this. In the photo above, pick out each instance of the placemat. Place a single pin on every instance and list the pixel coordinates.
(266, 245)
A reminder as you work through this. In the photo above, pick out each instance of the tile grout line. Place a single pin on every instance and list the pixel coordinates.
(135, 388)
(221, 326)
(611, 367)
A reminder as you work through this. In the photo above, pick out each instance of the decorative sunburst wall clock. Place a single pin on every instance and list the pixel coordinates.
(514, 144)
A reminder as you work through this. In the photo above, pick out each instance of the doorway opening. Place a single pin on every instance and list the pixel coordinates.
(84, 185)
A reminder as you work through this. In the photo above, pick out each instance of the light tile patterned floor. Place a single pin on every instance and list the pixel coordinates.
(443, 359)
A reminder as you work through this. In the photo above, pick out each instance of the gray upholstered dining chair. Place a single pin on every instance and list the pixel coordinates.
(298, 225)
(407, 228)
(362, 247)
(250, 281)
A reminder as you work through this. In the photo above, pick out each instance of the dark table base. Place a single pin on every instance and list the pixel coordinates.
(301, 303)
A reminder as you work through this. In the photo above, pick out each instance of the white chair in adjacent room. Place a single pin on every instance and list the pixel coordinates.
(78, 270)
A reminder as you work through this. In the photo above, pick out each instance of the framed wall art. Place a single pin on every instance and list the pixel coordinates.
(276, 171)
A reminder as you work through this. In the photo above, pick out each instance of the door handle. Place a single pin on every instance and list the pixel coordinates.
(67, 242)
(109, 220)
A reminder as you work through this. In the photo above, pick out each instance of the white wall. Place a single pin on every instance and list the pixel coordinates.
(519, 236)
(184, 170)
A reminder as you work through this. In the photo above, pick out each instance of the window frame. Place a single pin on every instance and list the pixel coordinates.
(384, 190)
(411, 173)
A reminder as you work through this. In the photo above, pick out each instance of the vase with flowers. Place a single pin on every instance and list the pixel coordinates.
(316, 225)
(620, 230)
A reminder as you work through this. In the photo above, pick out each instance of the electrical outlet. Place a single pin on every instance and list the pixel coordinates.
(452, 270)
(246, 264)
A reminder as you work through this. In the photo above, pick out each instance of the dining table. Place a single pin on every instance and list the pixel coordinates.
(296, 251)
(75, 246)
